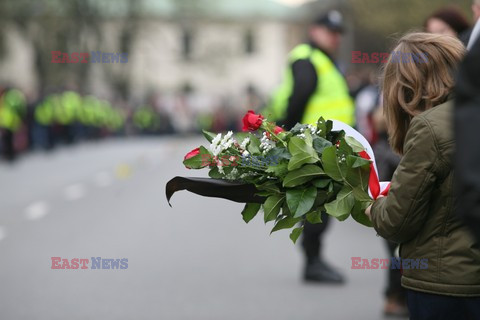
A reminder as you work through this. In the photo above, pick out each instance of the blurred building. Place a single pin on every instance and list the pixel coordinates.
(220, 49)
(211, 49)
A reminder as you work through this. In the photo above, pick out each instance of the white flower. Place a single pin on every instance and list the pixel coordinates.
(244, 143)
(215, 149)
(220, 167)
(266, 145)
(264, 138)
(227, 140)
(218, 144)
(227, 137)
(245, 153)
(217, 139)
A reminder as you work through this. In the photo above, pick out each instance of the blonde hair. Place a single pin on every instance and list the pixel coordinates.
(411, 86)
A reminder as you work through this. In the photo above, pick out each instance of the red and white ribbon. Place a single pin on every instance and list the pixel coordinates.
(376, 187)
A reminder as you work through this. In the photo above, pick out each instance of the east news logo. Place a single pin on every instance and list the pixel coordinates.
(96, 263)
(395, 263)
(82, 57)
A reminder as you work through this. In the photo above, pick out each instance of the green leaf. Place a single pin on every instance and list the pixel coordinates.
(314, 216)
(335, 187)
(254, 145)
(265, 194)
(278, 153)
(280, 170)
(272, 206)
(358, 177)
(342, 206)
(297, 145)
(354, 144)
(198, 162)
(240, 136)
(228, 169)
(302, 175)
(321, 183)
(328, 126)
(215, 174)
(308, 138)
(250, 211)
(330, 163)
(358, 212)
(295, 234)
(322, 197)
(209, 135)
(270, 186)
(358, 161)
(298, 128)
(302, 153)
(299, 160)
(335, 135)
(361, 194)
(344, 148)
(286, 223)
(319, 144)
(300, 201)
(322, 127)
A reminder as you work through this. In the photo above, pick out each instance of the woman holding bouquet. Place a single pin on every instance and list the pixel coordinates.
(418, 212)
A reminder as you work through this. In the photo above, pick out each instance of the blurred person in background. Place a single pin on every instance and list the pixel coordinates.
(465, 37)
(314, 87)
(387, 162)
(418, 210)
(476, 10)
(371, 124)
(467, 131)
(366, 100)
(450, 21)
(13, 110)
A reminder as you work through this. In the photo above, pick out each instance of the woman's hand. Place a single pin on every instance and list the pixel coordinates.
(367, 212)
(369, 209)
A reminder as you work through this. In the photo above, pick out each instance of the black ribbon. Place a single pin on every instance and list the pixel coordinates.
(216, 188)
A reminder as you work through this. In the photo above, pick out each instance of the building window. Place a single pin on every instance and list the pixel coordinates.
(249, 42)
(187, 39)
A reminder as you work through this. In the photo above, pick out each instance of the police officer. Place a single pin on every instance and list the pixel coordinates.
(313, 87)
(12, 110)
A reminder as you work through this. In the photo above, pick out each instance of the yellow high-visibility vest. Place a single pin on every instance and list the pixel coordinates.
(9, 118)
(44, 113)
(330, 100)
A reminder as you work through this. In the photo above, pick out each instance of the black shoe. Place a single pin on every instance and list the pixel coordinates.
(319, 271)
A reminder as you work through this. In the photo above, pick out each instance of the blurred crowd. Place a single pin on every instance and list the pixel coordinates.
(67, 117)
(59, 118)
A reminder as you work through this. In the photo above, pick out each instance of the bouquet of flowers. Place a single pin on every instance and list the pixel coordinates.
(296, 174)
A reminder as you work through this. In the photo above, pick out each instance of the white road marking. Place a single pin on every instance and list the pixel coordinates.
(103, 179)
(74, 192)
(3, 233)
(36, 210)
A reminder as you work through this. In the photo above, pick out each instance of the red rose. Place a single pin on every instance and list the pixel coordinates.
(252, 121)
(278, 129)
(191, 154)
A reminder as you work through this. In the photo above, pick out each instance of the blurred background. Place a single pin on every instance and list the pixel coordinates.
(88, 147)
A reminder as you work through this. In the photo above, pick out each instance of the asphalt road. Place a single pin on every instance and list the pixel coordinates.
(195, 261)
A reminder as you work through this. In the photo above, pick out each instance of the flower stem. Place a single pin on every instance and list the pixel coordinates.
(277, 137)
